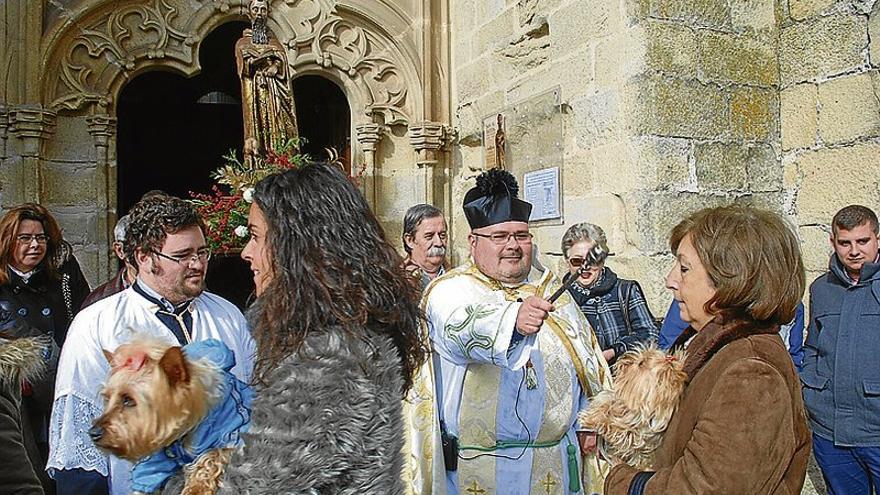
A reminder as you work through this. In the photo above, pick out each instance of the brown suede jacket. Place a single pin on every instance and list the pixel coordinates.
(740, 427)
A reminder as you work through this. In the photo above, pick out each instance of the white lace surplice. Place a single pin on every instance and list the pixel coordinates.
(83, 369)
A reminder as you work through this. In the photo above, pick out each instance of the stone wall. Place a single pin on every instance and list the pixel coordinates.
(830, 114)
(670, 106)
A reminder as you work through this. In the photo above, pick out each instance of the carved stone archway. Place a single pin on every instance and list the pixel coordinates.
(374, 50)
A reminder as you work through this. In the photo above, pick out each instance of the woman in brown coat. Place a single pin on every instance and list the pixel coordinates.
(740, 427)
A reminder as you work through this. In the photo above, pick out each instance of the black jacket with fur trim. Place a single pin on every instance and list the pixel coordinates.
(329, 421)
(20, 359)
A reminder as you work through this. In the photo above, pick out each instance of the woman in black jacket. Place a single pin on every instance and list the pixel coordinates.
(42, 284)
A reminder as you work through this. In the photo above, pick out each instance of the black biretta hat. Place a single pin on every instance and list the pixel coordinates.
(494, 200)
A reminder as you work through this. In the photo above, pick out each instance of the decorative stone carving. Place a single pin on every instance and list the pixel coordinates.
(31, 125)
(424, 136)
(325, 39)
(369, 135)
(101, 127)
(115, 44)
(111, 45)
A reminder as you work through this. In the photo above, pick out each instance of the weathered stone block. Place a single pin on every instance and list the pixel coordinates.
(89, 260)
(721, 167)
(578, 22)
(71, 141)
(772, 201)
(849, 108)
(822, 47)
(605, 210)
(637, 9)
(614, 173)
(738, 59)
(578, 173)
(815, 247)
(488, 9)
(652, 215)
(798, 116)
(69, 184)
(753, 15)
(764, 169)
(483, 75)
(572, 74)
(650, 272)
(802, 9)
(826, 174)
(708, 13)
(79, 224)
(671, 48)
(672, 107)
(495, 33)
(874, 36)
(753, 114)
(737, 167)
(621, 56)
(662, 163)
(597, 118)
(470, 116)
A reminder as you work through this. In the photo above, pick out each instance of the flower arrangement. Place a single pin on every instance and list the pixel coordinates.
(225, 208)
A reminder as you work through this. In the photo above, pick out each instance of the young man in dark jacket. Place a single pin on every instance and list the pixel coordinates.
(840, 377)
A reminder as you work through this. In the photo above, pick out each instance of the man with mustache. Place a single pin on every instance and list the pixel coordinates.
(511, 370)
(424, 239)
(840, 376)
(166, 242)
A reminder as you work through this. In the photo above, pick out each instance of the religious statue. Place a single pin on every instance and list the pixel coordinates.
(266, 96)
(500, 142)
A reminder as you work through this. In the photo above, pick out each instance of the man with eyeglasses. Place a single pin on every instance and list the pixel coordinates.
(424, 240)
(166, 242)
(511, 370)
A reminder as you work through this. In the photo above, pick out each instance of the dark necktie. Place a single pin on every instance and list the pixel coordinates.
(178, 321)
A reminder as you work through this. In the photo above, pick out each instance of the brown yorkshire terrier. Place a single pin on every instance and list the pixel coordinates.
(154, 397)
(631, 417)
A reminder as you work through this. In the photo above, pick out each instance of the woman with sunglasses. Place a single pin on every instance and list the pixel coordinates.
(615, 307)
(41, 288)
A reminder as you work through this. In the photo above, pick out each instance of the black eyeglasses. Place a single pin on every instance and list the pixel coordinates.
(501, 238)
(202, 255)
(29, 238)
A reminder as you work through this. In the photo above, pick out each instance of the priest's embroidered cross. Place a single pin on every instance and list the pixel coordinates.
(475, 489)
(549, 483)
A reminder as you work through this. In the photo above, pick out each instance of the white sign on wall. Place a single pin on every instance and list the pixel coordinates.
(541, 189)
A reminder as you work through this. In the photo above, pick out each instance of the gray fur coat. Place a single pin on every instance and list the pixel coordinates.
(329, 421)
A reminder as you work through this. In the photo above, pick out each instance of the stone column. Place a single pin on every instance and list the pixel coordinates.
(368, 136)
(427, 140)
(102, 128)
(31, 126)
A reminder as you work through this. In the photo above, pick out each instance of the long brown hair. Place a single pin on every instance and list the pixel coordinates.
(9, 237)
(332, 266)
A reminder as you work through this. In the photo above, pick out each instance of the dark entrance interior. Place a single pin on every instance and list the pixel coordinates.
(323, 117)
(173, 131)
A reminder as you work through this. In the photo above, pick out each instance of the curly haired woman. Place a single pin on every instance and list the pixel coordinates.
(337, 328)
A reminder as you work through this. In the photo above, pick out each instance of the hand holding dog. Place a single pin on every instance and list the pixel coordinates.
(532, 314)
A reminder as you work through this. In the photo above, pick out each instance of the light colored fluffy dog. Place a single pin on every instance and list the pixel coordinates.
(154, 397)
(631, 417)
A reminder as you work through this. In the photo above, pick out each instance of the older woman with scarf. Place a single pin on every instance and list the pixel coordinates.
(614, 306)
(740, 426)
